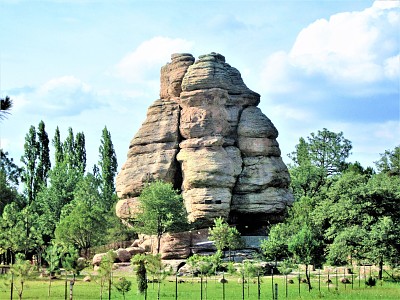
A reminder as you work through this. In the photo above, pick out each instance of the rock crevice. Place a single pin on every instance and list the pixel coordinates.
(207, 136)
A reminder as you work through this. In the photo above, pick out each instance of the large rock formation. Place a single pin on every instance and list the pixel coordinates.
(207, 136)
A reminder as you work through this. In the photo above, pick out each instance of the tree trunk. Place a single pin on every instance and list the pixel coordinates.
(308, 279)
(380, 269)
(158, 243)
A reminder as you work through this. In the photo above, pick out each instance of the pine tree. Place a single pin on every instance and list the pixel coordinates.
(108, 164)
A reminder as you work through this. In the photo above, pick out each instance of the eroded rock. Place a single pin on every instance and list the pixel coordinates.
(207, 136)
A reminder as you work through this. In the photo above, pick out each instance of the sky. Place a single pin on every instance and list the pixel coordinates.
(90, 64)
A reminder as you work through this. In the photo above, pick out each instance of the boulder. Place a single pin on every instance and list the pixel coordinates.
(97, 258)
(123, 255)
(135, 250)
(175, 245)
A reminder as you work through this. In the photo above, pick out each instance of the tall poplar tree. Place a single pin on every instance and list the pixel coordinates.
(58, 147)
(44, 164)
(80, 152)
(108, 165)
(29, 159)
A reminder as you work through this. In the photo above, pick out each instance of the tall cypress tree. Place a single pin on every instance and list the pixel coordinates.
(108, 164)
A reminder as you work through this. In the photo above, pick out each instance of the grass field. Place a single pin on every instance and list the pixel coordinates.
(190, 289)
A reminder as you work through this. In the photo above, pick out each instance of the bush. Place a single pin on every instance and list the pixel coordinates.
(370, 282)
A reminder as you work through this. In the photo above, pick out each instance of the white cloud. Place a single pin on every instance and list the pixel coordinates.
(350, 48)
(63, 96)
(146, 60)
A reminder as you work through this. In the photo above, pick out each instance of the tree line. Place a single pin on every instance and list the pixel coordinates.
(60, 203)
(343, 213)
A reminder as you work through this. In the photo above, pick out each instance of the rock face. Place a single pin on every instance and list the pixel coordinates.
(207, 136)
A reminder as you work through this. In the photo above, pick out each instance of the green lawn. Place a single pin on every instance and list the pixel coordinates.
(190, 289)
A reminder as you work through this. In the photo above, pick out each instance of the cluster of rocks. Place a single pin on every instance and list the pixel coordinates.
(174, 246)
(207, 136)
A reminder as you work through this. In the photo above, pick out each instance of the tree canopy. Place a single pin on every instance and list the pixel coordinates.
(161, 210)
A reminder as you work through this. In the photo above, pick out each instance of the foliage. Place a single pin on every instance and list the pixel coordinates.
(83, 226)
(108, 164)
(10, 169)
(21, 270)
(370, 281)
(19, 230)
(224, 236)
(322, 155)
(389, 162)
(5, 106)
(123, 286)
(206, 265)
(275, 246)
(139, 261)
(8, 194)
(105, 270)
(161, 210)
(361, 218)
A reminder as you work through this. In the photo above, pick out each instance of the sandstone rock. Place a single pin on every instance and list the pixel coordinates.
(261, 172)
(175, 245)
(172, 74)
(207, 136)
(97, 258)
(126, 208)
(272, 200)
(123, 255)
(152, 150)
(87, 279)
(135, 250)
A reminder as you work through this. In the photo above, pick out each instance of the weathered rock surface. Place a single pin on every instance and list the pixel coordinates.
(207, 136)
(123, 255)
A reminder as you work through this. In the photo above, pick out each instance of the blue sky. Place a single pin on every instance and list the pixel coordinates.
(90, 64)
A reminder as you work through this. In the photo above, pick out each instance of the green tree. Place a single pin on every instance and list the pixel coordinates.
(29, 159)
(81, 225)
(105, 271)
(307, 179)
(108, 164)
(304, 246)
(361, 216)
(52, 256)
(58, 147)
(74, 151)
(80, 152)
(275, 246)
(329, 150)
(224, 236)
(22, 270)
(161, 210)
(389, 162)
(10, 169)
(5, 107)
(52, 199)
(8, 194)
(139, 261)
(44, 164)
(123, 286)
